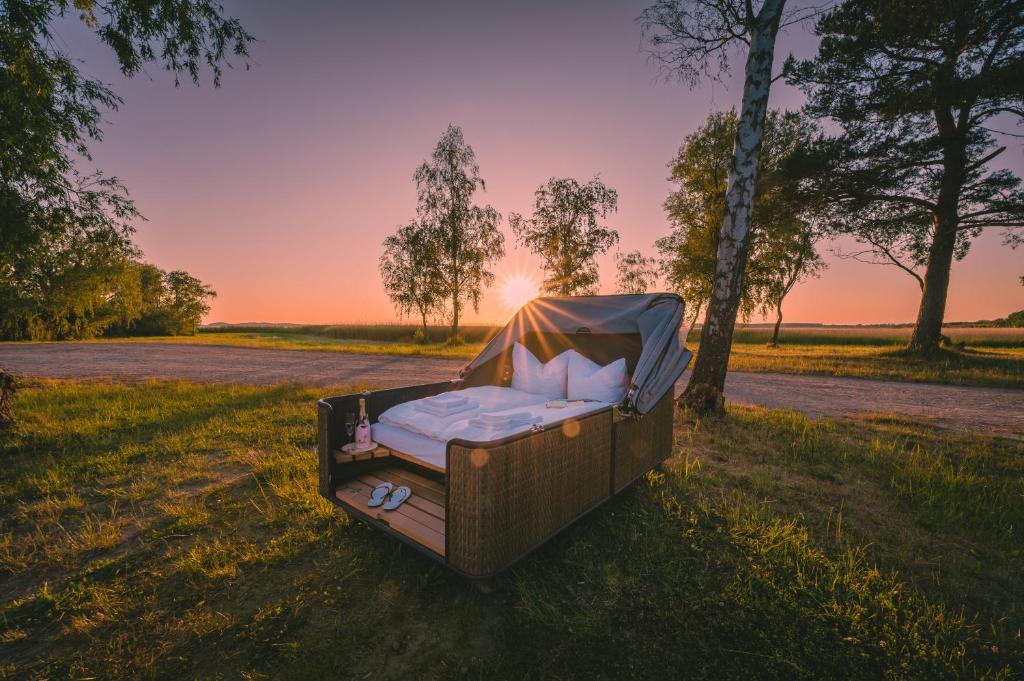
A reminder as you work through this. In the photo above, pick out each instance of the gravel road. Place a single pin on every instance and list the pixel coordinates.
(995, 410)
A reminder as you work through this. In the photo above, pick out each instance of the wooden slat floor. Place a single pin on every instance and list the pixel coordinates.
(421, 517)
(384, 452)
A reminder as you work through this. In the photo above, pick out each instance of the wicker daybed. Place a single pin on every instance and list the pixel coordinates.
(480, 506)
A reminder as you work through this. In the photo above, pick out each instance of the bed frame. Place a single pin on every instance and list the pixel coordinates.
(496, 501)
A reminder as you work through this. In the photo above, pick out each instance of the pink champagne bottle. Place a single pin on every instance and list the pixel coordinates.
(363, 427)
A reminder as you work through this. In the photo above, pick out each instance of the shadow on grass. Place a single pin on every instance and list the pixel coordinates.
(703, 571)
(968, 358)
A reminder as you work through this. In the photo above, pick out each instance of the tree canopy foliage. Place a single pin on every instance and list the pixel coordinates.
(566, 232)
(51, 110)
(784, 227)
(453, 240)
(87, 287)
(919, 91)
(636, 272)
(67, 265)
(67, 286)
(410, 273)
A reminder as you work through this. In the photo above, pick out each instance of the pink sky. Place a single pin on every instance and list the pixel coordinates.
(278, 188)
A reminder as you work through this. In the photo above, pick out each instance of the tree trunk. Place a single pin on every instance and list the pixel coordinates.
(704, 392)
(455, 316)
(696, 314)
(928, 330)
(778, 323)
(455, 289)
(794, 276)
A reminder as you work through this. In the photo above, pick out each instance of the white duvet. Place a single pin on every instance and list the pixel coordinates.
(484, 422)
(487, 399)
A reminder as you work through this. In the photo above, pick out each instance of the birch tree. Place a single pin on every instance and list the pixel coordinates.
(463, 237)
(693, 38)
(790, 257)
(409, 271)
(694, 211)
(785, 220)
(636, 272)
(566, 232)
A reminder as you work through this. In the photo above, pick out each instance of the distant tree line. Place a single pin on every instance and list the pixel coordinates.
(85, 288)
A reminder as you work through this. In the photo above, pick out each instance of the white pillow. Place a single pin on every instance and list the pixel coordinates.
(591, 381)
(532, 376)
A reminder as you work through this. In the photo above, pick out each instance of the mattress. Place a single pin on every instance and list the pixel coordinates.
(432, 450)
(421, 447)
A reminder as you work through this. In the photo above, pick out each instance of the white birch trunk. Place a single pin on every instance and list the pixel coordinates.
(734, 238)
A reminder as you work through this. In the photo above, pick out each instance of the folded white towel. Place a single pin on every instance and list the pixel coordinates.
(502, 417)
(446, 398)
(519, 418)
(443, 410)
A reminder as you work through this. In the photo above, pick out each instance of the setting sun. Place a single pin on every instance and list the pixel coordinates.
(518, 290)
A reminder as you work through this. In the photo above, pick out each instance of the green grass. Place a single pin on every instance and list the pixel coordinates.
(889, 336)
(996, 360)
(988, 366)
(283, 340)
(169, 530)
(393, 333)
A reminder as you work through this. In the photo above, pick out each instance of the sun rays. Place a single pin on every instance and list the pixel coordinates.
(517, 289)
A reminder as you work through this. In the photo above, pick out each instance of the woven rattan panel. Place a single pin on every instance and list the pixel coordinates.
(505, 500)
(640, 445)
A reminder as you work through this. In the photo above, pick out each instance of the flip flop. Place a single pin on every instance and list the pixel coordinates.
(398, 498)
(379, 494)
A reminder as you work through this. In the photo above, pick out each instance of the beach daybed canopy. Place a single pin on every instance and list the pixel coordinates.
(644, 328)
(494, 500)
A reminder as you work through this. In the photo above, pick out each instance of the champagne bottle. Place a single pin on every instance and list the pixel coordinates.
(363, 427)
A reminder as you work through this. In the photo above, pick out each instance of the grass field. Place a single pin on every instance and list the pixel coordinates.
(997, 367)
(285, 340)
(992, 356)
(173, 531)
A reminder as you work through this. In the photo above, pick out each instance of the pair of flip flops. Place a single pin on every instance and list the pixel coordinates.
(387, 495)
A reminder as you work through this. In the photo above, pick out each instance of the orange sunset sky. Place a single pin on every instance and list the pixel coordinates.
(278, 188)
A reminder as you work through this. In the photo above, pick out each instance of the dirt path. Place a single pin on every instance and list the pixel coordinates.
(980, 409)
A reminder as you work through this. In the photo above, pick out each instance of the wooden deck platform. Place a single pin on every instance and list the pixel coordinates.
(384, 452)
(421, 517)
